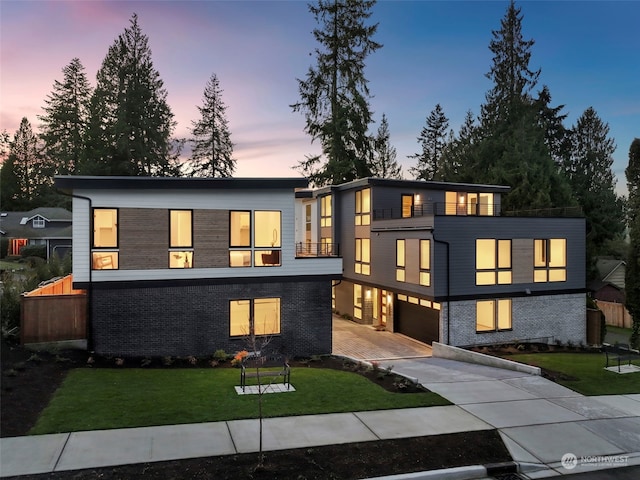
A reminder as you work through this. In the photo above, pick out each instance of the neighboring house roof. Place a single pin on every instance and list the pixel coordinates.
(19, 225)
(68, 183)
(612, 271)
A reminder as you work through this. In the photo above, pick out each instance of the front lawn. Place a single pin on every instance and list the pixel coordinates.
(95, 399)
(586, 370)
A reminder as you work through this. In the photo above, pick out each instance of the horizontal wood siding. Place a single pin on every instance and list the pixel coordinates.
(522, 260)
(211, 238)
(144, 238)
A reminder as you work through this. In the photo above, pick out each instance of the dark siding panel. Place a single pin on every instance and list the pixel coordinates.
(211, 238)
(144, 238)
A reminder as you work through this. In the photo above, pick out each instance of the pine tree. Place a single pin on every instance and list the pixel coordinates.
(130, 121)
(23, 181)
(384, 164)
(213, 150)
(65, 121)
(591, 178)
(334, 96)
(459, 151)
(632, 279)
(557, 137)
(433, 141)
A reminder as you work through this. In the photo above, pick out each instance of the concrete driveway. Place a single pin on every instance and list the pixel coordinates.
(363, 342)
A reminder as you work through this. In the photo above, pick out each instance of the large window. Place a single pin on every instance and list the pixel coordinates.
(259, 316)
(407, 206)
(493, 315)
(463, 203)
(104, 254)
(550, 260)
(493, 262)
(266, 227)
(180, 239)
(357, 301)
(425, 263)
(325, 211)
(400, 260)
(363, 207)
(363, 256)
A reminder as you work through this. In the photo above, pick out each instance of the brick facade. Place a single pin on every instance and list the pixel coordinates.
(194, 320)
(547, 318)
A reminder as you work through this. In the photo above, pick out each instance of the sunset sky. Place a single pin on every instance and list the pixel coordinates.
(434, 52)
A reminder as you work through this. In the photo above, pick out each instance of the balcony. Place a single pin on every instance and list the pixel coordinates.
(317, 250)
(438, 208)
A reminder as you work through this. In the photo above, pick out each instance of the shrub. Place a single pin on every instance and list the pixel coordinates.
(39, 251)
(220, 355)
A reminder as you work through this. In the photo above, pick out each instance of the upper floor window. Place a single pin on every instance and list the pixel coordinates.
(425, 263)
(266, 235)
(463, 203)
(400, 260)
(363, 256)
(325, 211)
(180, 239)
(493, 315)
(38, 222)
(407, 206)
(104, 254)
(493, 262)
(550, 260)
(363, 207)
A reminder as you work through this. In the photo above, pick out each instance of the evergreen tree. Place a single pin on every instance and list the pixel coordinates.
(557, 137)
(433, 141)
(334, 96)
(459, 150)
(130, 121)
(65, 121)
(22, 179)
(511, 147)
(632, 280)
(384, 164)
(213, 150)
(591, 178)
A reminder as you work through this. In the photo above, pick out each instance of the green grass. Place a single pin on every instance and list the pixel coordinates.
(588, 368)
(93, 399)
(623, 332)
(8, 265)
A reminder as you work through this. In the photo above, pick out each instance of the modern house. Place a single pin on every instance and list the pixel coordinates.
(42, 226)
(441, 262)
(187, 266)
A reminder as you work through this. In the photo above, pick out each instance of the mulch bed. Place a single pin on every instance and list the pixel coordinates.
(29, 379)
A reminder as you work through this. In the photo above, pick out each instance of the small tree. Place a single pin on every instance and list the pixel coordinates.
(384, 163)
(433, 141)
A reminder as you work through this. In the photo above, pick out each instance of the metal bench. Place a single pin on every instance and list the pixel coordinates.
(255, 365)
(619, 353)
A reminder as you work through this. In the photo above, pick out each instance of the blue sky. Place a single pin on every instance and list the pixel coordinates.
(434, 52)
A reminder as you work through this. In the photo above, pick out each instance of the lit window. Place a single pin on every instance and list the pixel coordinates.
(493, 262)
(363, 207)
(407, 206)
(105, 239)
(260, 316)
(266, 239)
(400, 260)
(363, 256)
(550, 260)
(240, 229)
(181, 236)
(325, 211)
(425, 262)
(462, 203)
(357, 301)
(493, 315)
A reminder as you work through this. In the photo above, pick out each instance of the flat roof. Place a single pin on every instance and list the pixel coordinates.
(79, 182)
(417, 184)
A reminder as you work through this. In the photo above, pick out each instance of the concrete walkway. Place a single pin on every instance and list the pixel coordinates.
(538, 420)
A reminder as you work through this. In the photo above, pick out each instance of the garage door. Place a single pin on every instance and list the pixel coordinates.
(417, 322)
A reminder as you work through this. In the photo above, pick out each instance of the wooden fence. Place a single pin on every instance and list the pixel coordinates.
(615, 314)
(54, 312)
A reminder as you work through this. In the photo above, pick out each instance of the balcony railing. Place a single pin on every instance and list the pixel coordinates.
(304, 249)
(437, 208)
(565, 212)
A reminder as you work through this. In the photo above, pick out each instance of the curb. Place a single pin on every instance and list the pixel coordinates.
(469, 472)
